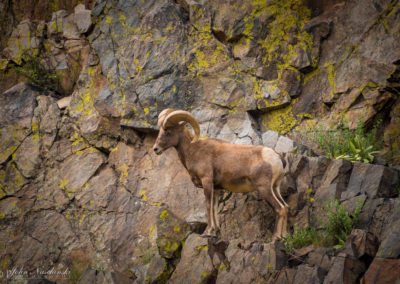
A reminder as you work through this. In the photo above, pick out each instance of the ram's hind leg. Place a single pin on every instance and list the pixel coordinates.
(277, 191)
(267, 193)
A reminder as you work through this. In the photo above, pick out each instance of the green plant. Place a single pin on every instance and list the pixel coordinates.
(343, 143)
(37, 72)
(300, 238)
(334, 231)
(340, 222)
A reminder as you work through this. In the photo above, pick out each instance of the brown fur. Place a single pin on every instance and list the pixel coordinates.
(215, 164)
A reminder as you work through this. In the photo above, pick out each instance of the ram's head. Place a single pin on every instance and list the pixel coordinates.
(171, 123)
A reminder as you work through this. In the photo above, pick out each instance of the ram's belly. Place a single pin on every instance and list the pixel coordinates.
(243, 185)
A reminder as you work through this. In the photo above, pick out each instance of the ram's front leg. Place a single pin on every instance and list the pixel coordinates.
(212, 228)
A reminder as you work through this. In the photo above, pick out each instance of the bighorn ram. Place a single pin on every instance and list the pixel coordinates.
(215, 164)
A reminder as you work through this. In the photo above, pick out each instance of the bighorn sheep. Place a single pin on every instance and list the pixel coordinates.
(215, 164)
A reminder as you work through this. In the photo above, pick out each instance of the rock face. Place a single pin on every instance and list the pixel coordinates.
(81, 190)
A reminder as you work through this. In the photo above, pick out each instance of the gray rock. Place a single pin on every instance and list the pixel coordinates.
(78, 168)
(253, 263)
(16, 108)
(239, 130)
(82, 18)
(284, 145)
(195, 264)
(372, 180)
(27, 156)
(302, 60)
(159, 270)
(390, 245)
(361, 244)
(321, 257)
(308, 274)
(97, 277)
(99, 190)
(171, 234)
(345, 269)
(270, 138)
(70, 30)
(334, 181)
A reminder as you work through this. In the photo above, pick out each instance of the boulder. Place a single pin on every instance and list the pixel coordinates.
(16, 107)
(195, 264)
(361, 244)
(372, 180)
(345, 269)
(171, 234)
(159, 270)
(253, 263)
(82, 18)
(381, 271)
(308, 274)
(390, 245)
(334, 181)
(270, 138)
(284, 145)
(91, 275)
(99, 190)
(239, 130)
(27, 156)
(76, 170)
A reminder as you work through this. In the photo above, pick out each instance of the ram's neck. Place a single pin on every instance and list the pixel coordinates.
(183, 147)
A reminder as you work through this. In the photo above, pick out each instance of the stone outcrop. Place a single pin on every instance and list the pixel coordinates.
(82, 191)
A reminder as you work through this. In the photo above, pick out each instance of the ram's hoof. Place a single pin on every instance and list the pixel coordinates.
(208, 236)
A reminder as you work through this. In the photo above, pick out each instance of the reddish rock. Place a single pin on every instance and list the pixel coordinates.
(382, 271)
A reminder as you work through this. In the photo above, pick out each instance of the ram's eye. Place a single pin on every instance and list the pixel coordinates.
(168, 133)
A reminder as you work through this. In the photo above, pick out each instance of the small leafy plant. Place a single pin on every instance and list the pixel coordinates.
(334, 231)
(340, 222)
(300, 238)
(37, 72)
(344, 143)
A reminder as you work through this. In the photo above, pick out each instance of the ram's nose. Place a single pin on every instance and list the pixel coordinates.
(156, 150)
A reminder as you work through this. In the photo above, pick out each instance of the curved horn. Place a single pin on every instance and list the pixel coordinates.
(177, 116)
(162, 116)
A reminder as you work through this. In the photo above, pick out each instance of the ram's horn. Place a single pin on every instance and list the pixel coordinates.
(177, 116)
(163, 115)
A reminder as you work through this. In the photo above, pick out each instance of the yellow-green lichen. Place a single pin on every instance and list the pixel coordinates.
(84, 103)
(171, 246)
(5, 262)
(164, 214)
(124, 171)
(280, 120)
(331, 76)
(35, 131)
(143, 195)
(289, 18)
(109, 19)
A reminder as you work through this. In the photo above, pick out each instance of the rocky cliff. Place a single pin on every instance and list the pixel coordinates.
(82, 84)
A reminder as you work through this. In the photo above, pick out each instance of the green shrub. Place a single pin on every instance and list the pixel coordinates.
(344, 143)
(37, 72)
(300, 238)
(334, 231)
(340, 222)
